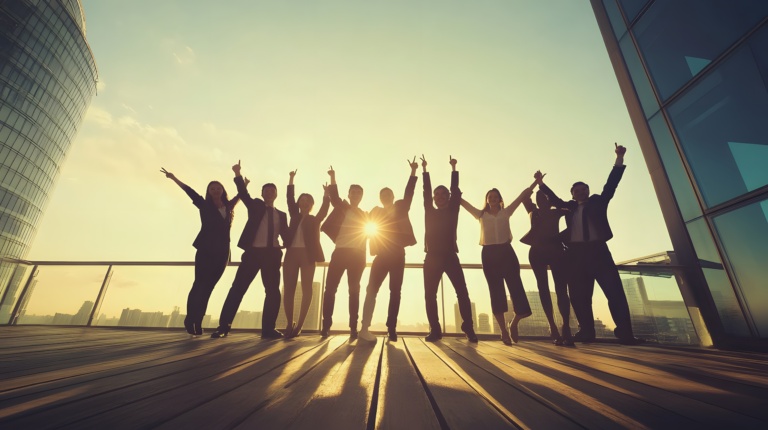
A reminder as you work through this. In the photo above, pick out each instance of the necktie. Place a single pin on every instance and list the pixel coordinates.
(584, 224)
(270, 228)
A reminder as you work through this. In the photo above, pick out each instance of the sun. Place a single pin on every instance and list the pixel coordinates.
(371, 229)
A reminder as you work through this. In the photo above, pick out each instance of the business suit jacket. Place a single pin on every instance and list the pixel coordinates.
(596, 209)
(394, 229)
(310, 228)
(441, 224)
(332, 224)
(256, 210)
(214, 229)
(545, 225)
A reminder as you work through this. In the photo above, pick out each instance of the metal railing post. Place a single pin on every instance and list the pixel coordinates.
(23, 297)
(100, 297)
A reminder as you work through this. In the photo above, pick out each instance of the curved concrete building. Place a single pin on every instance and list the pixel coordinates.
(47, 79)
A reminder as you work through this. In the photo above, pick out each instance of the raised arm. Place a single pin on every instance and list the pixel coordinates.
(455, 200)
(333, 189)
(410, 187)
(556, 201)
(293, 208)
(197, 199)
(427, 184)
(475, 212)
(524, 198)
(323, 212)
(609, 189)
(242, 189)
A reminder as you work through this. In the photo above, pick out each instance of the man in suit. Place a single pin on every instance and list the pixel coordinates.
(589, 258)
(440, 244)
(393, 233)
(261, 253)
(346, 228)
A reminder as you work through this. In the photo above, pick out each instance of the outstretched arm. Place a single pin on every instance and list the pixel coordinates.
(242, 185)
(293, 208)
(616, 173)
(197, 199)
(410, 187)
(323, 212)
(333, 189)
(471, 209)
(427, 184)
(455, 200)
(556, 201)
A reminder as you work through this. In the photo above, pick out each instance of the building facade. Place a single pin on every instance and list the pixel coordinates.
(47, 79)
(694, 76)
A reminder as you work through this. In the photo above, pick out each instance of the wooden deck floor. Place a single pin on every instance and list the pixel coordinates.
(53, 377)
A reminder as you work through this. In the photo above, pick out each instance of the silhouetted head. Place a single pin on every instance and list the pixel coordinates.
(305, 203)
(493, 199)
(355, 194)
(442, 196)
(216, 190)
(269, 192)
(580, 191)
(387, 197)
(542, 201)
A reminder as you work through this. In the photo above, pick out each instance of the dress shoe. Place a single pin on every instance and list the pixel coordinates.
(324, 333)
(392, 334)
(366, 335)
(353, 334)
(471, 336)
(506, 340)
(434, 336)
(189, 327)
(558, 341)
(271, 334)
(219, 333)
(584, 336)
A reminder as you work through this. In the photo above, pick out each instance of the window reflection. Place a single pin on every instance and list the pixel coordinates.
(679, 38)
(743, 233)
(721, 124)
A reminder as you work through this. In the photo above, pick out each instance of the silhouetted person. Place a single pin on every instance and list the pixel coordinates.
(261, 253)
(393, 233)
(440, 244)
(302, 253)
(212, 244)
(547, 250)
(589, 259)
(346, 228)
(500, 262)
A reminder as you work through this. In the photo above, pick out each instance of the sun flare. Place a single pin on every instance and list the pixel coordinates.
(371, 229)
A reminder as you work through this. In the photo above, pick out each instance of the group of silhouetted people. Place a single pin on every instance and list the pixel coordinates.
(577, 256)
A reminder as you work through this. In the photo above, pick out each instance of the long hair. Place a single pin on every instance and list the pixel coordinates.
(224, 199)
(309, 196)
(486, 206)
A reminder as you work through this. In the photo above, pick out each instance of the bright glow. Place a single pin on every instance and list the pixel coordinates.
(371, 229)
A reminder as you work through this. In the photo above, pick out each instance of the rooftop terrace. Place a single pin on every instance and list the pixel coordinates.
(80, 377)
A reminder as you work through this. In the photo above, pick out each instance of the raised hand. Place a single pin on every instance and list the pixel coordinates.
(246, 181)
(325, 189)
(423, 162)
(331, 172)
(236, 168)
(453, 162)
(538, 176)
(167, 174)
(414, 165)
(620, 150)
(293, 173)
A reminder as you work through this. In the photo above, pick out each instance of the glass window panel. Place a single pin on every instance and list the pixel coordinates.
(743, 233)
(679, 38)
(632, 8)
(673, 165)
(721, 124)
(718, 282)
(639, 77)
(617, 20)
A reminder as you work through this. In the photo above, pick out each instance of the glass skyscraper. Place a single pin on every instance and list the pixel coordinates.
(47, 79)
(694, 75)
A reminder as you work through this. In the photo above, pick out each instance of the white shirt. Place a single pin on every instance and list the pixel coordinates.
(261, 233)
(577, 226)
(494, 229)
(298, 240)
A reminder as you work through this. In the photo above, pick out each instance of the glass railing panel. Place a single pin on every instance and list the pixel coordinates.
(61, 295)
(13, 279)
(314, 314)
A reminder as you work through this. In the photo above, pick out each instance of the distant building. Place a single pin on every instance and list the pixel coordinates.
(483, 323)
(313, 314)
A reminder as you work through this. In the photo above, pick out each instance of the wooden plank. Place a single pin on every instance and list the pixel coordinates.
(456, 403)
(243, 401)
(157, 394)
(402, 402)
(591, 378)
(335, 395)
